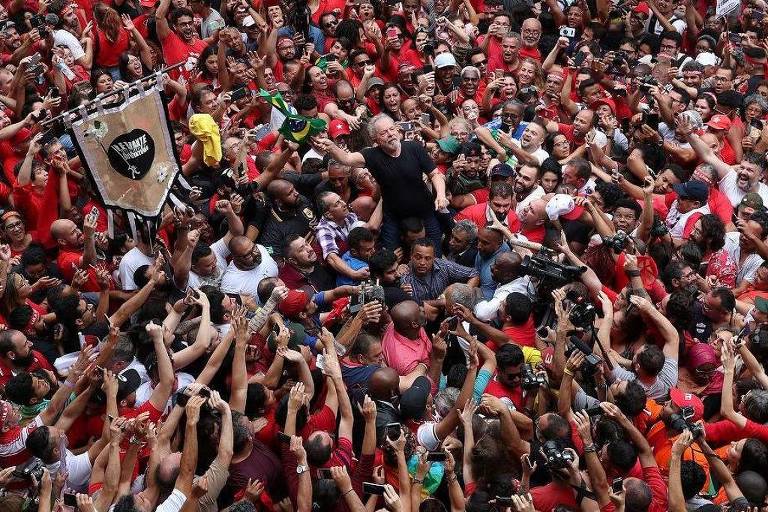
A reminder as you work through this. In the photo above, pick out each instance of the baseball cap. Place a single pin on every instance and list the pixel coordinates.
(604, 101)
(373, 82)
(449, 145)
(6, 24)
(413, 402)
(682, 399)
(752, 200)
(560, 204)
(338, 127)
(445, 60)
(719, 122)
(127, 382)
(294, 303)
(761, 304)
(693, 189)
(505, 170)
(642, 8)
(707, 59)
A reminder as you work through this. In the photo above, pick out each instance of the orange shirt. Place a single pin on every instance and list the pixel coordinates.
(661, 444)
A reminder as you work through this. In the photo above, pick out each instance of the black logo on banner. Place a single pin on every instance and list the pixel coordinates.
(131, 154)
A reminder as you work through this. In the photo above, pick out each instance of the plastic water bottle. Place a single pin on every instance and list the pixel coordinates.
(65, 70)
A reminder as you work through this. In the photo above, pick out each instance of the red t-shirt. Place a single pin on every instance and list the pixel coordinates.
(67, 258)
(108, 53)
(499, 390)
(39, 362)
(175, 50)
(476, 213)
(547, 497)
(523, 335)
(652, 477)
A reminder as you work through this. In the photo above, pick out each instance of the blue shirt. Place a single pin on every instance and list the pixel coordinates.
(495, 124)
(483, 267)
(354, 264)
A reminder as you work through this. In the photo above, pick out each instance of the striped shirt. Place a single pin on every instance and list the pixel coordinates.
(434, 283)
(13, 450)
(328, 234)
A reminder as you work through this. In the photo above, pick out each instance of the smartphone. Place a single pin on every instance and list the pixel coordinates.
(55, 92)
(617, 485)
(282, 436)
(371, 488)
(594, 411)
(505, 501)
(568, 32)
(70, 500)
(452, 322)
(325, 473)
(427, 68)
(579, 59)
(406, 126)
(239, 93)
(425, 120)
(392, 33)
(436, 457)
(652, 120)
(542, 332)
(734, 37)
(330, 57)
(205, 392)
(758, 15)
(394, 431)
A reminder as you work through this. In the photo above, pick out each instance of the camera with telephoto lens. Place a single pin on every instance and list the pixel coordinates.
(659, 227)
(681, 421)
(31, 470)
(759, 339)
(543, 267)
(555, 455)
(531, 379)
(591, 361)
(617, 242)
(646, 82)
(582, 313)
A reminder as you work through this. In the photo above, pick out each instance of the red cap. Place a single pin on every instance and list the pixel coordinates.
(294, 303)
(643, 8)
(148, 3)
(604, 101)
(338, 127)
(681, 400)
(719, 122)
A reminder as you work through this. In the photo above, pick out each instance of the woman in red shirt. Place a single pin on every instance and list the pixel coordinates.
(111, 38)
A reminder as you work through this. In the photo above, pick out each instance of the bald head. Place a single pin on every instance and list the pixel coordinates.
(278, 188)
(637, 495)
(60, 227)
(383, 384)
(506, 267)
(405, 317)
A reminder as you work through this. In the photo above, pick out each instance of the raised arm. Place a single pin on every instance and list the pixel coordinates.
(162, 391)
(700, 147)
(239, 374)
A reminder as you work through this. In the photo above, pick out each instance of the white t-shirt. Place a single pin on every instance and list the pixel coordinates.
(144, 392)
(247, 281)
(748, 267)
(734, 194)
(172, 503)
(221, 252)
(132, 260)
(64, 38)
(78, 469)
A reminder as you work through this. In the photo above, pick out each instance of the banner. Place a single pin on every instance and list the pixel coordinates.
(129, 154)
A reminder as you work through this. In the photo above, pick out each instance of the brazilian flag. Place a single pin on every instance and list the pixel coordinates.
(295, 128)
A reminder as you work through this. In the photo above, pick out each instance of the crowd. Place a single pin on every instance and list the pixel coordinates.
(522, 266)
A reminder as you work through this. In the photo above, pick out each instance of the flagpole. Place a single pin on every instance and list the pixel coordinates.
(114, 92)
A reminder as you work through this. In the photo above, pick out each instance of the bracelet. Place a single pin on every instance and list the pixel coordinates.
(568, 372)
(451, 478)
(68, 384)
(632, 273)
(417, 481)
(345, 493)
(590, 448)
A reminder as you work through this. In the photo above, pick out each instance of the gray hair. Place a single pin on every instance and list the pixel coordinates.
(372, 124)
(461, 293)
(757, 98)
(694, 118)
(470, 70)
(468, 227)
(445, 401)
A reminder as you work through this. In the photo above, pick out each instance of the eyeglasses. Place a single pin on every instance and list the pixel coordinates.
(470, 79)
(363, 62)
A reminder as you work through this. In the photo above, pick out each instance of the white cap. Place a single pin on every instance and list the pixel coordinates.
(445, 60)
(559, 205)
(248, 21)
(707, 59)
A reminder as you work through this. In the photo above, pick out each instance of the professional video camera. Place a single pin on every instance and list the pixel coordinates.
(683, 421)
(369, 291)
(32, 469)
(591, 361)
(555, 457)
(759, 339)
(531, 379)
(646, 82)
(547, 270)
(617, 242)
(583, 312)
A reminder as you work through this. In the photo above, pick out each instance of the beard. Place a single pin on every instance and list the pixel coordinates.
(25, 361)
(392, 146)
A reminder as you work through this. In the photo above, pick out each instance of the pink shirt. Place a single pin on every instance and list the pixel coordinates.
(402, 354)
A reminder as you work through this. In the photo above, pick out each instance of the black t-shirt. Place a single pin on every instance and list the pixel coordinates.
(402, 179)
(278, 224)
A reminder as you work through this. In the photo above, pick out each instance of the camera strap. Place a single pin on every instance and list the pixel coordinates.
(582, 492)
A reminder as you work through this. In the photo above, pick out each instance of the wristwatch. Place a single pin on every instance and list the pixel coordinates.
(301, 469)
